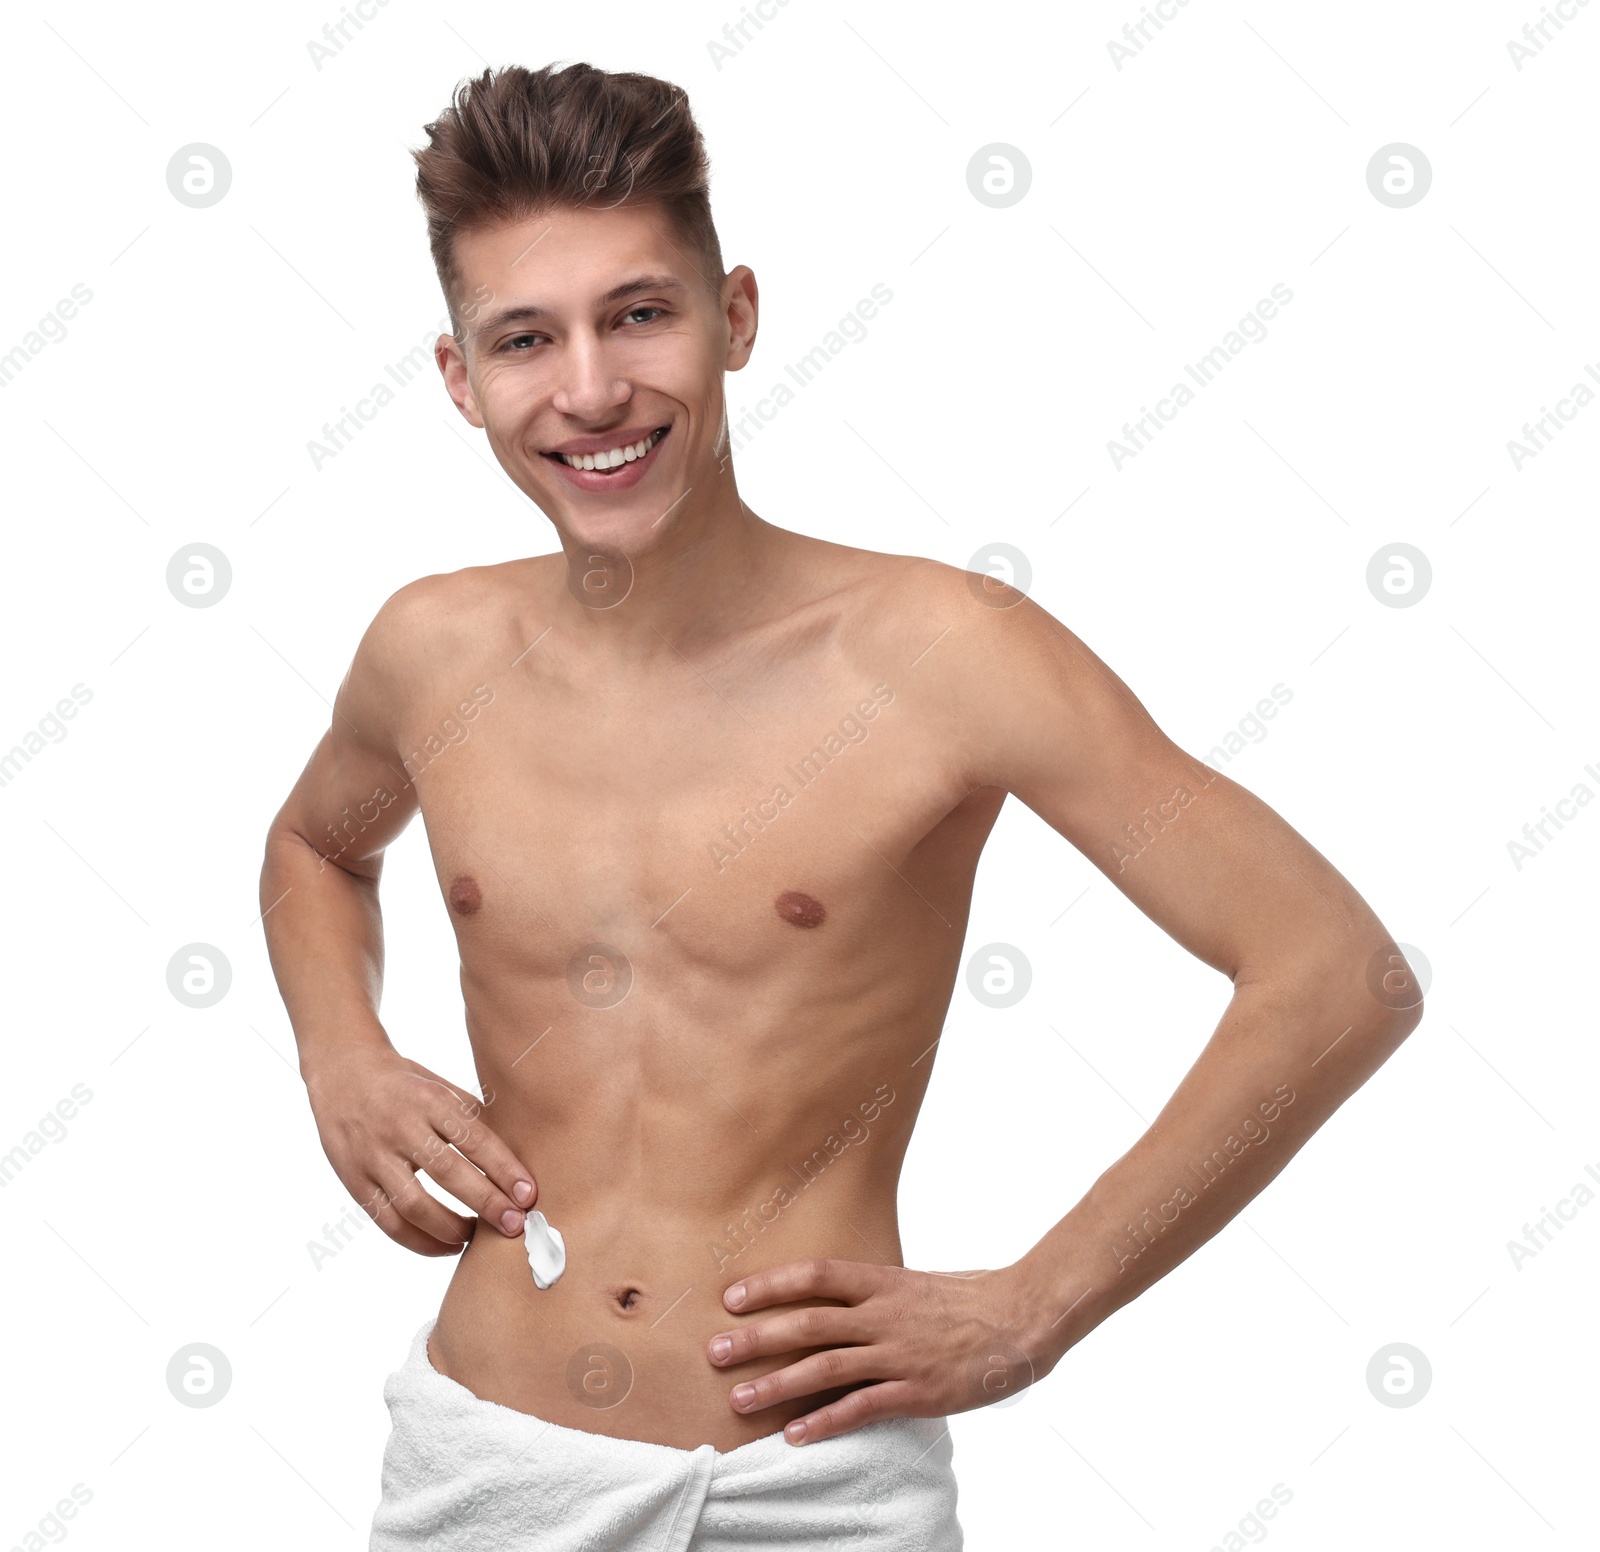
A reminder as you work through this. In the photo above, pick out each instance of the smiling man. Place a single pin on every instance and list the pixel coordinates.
(705, 797)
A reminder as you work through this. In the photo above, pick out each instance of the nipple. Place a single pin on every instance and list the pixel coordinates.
(465, 896)
(801, 910)
(547, 1251)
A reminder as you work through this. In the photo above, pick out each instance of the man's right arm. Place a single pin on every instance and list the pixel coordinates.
(324, 852)
(381, 1116)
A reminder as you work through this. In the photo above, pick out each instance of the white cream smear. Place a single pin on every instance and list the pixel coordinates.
(547, 1251)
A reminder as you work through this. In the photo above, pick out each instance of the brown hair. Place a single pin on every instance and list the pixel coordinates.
(521, 142)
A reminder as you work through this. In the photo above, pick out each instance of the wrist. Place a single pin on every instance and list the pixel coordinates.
(1063, 1295)
(326, 1050)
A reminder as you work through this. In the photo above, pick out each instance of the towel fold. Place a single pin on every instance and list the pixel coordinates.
(463, 1473)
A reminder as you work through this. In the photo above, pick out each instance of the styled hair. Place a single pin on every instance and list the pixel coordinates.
(518, 143)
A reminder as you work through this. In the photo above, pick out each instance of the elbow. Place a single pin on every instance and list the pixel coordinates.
(1395, 987)
(1393, 1012)
(1378, 992)
(1387, 1031)
(1409, 1017)
(280, 834)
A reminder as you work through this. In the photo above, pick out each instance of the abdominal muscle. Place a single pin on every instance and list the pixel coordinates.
(618, 1344)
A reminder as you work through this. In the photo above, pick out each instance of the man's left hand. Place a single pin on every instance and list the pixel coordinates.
(934, 1342)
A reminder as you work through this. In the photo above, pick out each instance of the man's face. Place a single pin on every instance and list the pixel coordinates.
(566, 353)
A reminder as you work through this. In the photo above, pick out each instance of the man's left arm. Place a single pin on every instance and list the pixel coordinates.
(1321, 994)
(1321, 998)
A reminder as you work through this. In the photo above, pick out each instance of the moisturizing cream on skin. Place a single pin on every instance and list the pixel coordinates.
(547, 1252)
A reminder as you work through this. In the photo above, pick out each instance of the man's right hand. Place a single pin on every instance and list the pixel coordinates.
(382, 1117)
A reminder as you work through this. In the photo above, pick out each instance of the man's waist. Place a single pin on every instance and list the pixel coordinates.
(654, 1246)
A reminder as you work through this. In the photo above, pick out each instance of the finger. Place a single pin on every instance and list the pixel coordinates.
(408, 1198)
(893, 1398)
(828, 1325)
(379, 1206)
(821, 1371)
(818, 1277)
(487, 1149)
(464, 1181)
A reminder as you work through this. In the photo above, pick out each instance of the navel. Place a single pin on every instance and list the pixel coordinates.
(800, 910)
(465, 896)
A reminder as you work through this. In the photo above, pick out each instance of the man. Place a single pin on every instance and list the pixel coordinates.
(705, 797)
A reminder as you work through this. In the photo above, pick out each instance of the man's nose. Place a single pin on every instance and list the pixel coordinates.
(590, 385)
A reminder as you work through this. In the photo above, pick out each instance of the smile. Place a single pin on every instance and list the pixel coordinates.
(615, 468)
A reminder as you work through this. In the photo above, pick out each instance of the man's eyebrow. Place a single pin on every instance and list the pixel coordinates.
(528, 311)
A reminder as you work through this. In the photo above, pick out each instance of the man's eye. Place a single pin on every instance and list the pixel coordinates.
(513, 340)
(633, 310)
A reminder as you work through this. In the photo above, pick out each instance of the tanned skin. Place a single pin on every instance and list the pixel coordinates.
(704, 1012)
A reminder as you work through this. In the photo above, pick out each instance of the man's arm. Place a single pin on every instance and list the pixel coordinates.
(381, 1116)
(1321, 999)
(1321, 995)
(324, 856)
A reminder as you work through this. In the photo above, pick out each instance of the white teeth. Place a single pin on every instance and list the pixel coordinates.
(610, 460)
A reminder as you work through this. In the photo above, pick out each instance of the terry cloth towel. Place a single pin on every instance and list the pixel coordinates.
(463, 1473)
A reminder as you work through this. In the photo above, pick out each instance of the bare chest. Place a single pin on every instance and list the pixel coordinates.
(714, 832)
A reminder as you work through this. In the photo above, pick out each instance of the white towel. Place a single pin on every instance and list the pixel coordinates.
(463, 1473)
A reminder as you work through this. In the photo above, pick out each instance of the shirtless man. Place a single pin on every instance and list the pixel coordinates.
(705, 798)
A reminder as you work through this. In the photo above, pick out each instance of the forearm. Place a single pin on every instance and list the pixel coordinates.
(1283, 1058)
(325, 940)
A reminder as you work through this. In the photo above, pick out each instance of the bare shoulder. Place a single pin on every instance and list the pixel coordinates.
(913, 603)
(868, 583)
(903, 587)
(1014, 686)
(424, 622)
(892, 607)
(423, 634)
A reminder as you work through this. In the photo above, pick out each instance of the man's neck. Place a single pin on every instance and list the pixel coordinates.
(715, 570)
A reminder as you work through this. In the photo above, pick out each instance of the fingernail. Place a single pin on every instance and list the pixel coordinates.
(795, 1433)
(511, 1221)
(522, 1190)
(743, 1395)
(735, 1296)
(721, 1346)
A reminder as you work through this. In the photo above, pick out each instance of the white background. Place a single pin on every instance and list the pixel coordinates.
(1167, 198)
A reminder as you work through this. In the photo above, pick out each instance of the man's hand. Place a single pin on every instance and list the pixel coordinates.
(935, 1342)
(382, 1117)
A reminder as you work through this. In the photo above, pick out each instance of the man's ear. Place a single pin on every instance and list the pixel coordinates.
(452, 361)
(741, 304)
